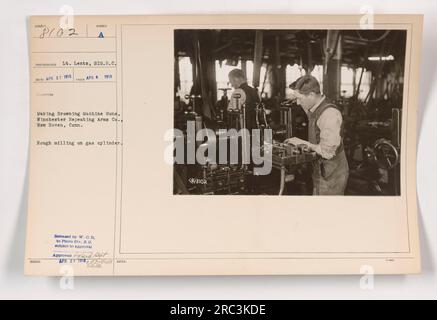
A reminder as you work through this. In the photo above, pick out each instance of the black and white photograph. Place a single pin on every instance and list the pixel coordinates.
(218, 156)
(288, 112)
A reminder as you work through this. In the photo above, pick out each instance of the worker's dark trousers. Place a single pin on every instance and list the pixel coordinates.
(330, 176)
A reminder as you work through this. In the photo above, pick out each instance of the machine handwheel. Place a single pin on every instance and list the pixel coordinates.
(386, 154)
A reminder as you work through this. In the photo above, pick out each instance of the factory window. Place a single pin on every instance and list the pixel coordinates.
(292, 73)
(249, 72)
(185, 76)
(267, 92)
(317, 73)
(365, 82)
(347, 82)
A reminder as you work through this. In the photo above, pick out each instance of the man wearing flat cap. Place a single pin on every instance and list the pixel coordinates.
(325, 135)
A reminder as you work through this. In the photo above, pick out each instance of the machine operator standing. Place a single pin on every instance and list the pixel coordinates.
(248, 95)
(325, 135)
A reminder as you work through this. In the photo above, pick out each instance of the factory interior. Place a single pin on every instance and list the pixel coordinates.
(361, 71)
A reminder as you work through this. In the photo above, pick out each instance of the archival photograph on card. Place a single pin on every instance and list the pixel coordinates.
(288, 112)
(224, 145)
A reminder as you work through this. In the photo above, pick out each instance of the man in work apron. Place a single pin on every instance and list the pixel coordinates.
(329, 175)
(325, 135)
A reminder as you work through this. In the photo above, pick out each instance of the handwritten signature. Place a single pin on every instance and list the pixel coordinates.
(95, 259)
